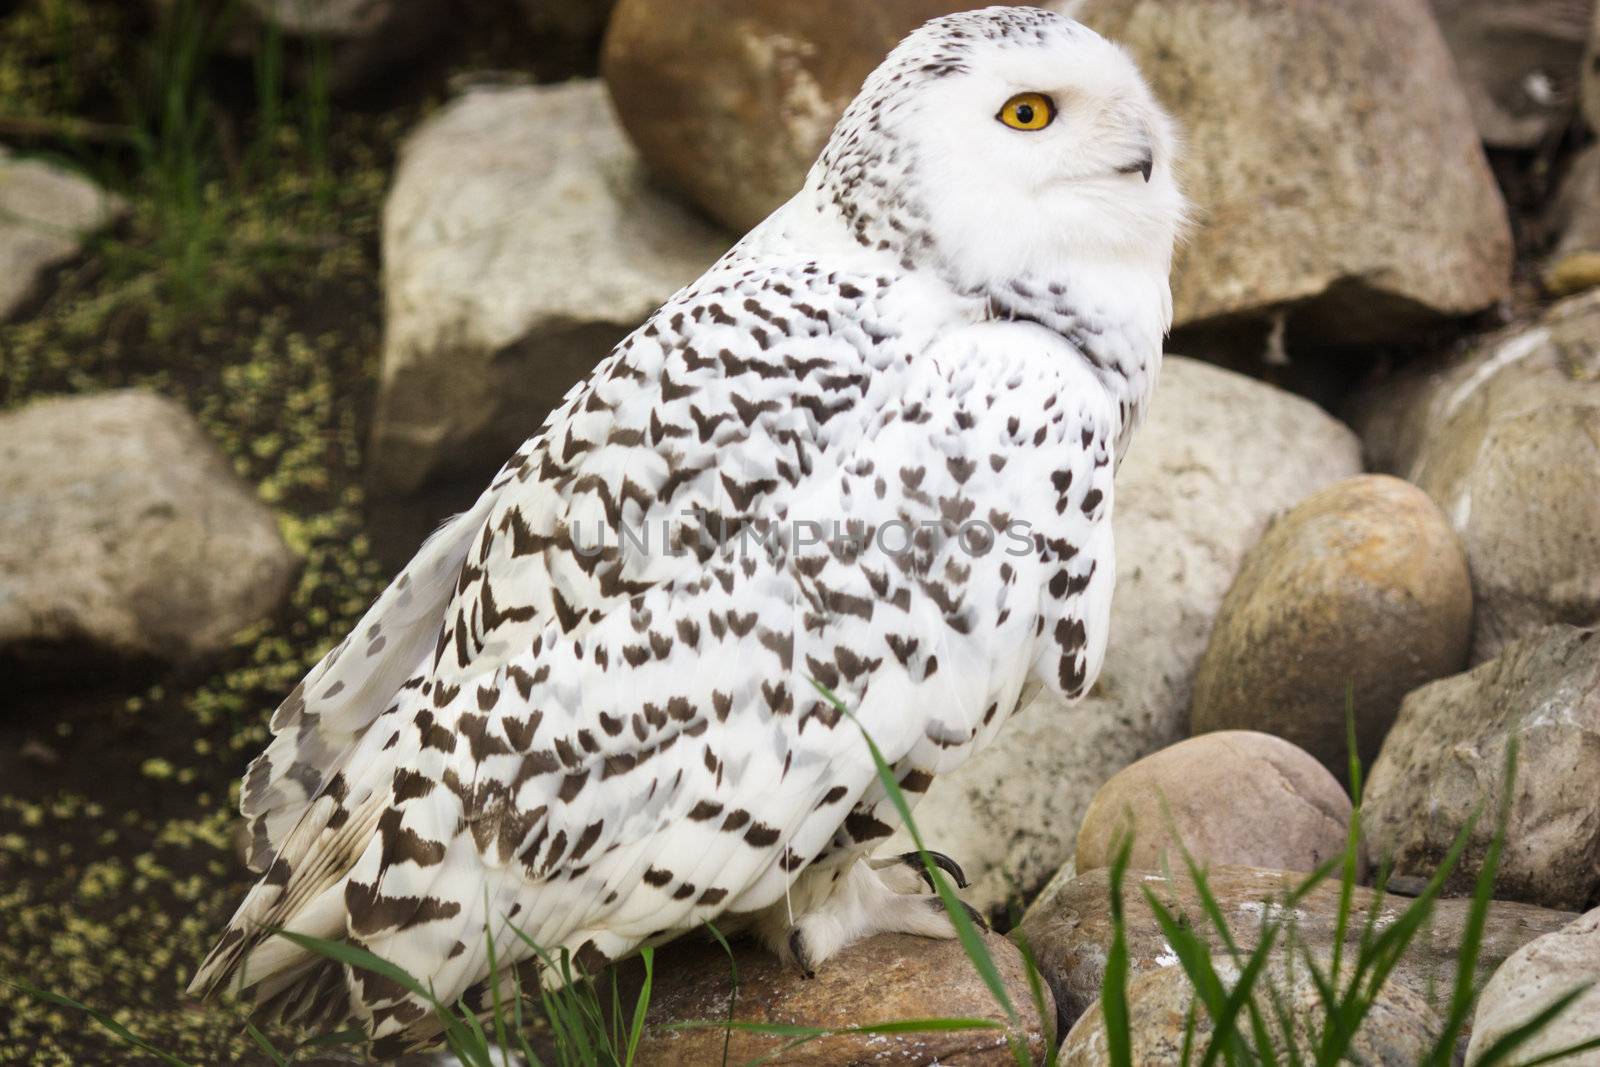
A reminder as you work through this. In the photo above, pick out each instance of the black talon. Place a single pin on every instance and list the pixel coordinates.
(972, 913)
(941, 861)
(797, 949)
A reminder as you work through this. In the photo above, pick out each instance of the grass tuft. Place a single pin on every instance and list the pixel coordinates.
(1238, 1017)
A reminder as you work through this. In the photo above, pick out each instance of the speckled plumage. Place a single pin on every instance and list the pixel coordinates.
(606, 748)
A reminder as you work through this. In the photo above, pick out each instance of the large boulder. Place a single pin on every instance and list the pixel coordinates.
(1230, 797)
(1445, 760)
(1535, 976)
(45, 214)
(1399, 1028)
(1332, 159)
(1219, 456)
(732, 100)
(1519, 62)
(1353, 599)
(124, 535)
(1506, 439)
(888, 978)
(1331, 154)
(1069, 927)
(521, 241)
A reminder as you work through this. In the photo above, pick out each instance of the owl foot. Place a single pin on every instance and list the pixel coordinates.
(889, 895)
(913, 860)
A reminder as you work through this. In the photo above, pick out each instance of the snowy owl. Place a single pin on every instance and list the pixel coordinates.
(871, 448)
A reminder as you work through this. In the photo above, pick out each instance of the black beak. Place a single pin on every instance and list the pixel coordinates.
(1143, 165)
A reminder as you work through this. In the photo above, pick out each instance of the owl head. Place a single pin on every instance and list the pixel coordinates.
(1001, 143)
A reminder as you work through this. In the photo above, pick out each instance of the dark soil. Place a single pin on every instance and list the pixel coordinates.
(260, 311)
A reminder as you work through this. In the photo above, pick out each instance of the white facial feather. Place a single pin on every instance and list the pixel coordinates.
(984, 203)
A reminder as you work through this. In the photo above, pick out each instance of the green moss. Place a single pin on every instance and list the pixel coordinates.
(119, 868)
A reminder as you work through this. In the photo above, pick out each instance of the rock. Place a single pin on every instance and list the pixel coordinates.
(1358, 595)
(732, 100)
(1533, 977)
(1573, 223)
(1506, 439)
(1519, 62)
(1332, 160)
(1218, 457)
(361, 38)
(1069, 928)
(45, 214)
(124, 535)
(519, 246)
(1445, 759)
(885, 978)
(1231, 797)
(1400, 1028)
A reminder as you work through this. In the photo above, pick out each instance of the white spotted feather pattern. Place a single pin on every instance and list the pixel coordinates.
(871, 448)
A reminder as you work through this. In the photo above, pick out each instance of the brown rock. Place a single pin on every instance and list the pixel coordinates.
(1232, 797)
(1400, 1028)
(1357, 596)
(1506, 439)
(732, 100)
(1069, 928)
(885, 978)
(1332, 156)
(1332, 159)
(1519, 62)
(1445, 760)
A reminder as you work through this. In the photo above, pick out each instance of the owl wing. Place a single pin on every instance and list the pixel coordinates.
(700, 419)
(673, 761)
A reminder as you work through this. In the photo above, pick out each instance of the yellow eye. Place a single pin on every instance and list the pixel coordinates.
(1028, 111)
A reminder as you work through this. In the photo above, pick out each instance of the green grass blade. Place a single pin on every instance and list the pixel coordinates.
(1352, 846)
(272, 1053)
(733, 975)
(1383, 953)
(1195, 958)
(476, 1044)
(338, 1037)
(802, 1034)
(498, 1006)
(1047, 1020)
(894, 1026)
(647, 955)
(1562, 1054)
(1114, 982)
(457, 1035)
(122, 1033)
(1219, 922)
(965, 929)
(1462, 996)
(1508, 1043)
(1242, 998)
